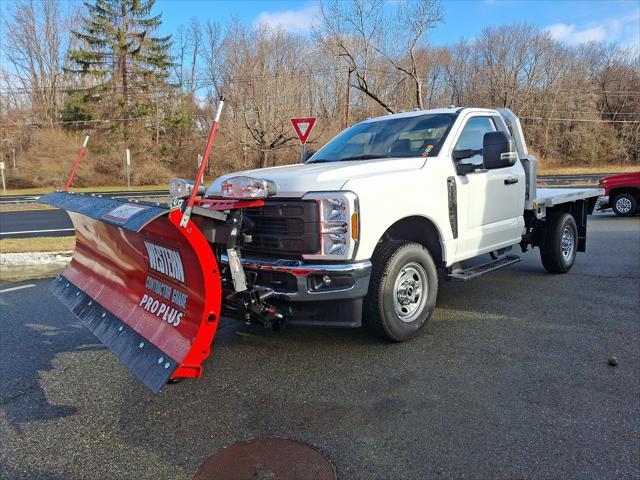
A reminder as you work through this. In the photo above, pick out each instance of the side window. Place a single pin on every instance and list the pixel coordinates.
(472, 135)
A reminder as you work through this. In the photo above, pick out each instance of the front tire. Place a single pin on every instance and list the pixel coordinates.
(402, 290)
(559, 243)
(624, 205)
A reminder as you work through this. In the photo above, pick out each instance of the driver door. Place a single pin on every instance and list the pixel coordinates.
(490, 202)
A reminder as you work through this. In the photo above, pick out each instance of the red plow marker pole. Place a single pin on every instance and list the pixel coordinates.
(75, 166)
(203, 166)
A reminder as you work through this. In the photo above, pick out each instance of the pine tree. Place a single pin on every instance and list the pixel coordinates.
(117, 48)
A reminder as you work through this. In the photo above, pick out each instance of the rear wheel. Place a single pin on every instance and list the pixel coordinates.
(402, 291)
(624, 205)
(559, 243)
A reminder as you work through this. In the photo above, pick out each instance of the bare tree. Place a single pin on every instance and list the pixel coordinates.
(35, 46)
(360, 33)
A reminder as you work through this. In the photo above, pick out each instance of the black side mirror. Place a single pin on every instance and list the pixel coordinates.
(498, 150)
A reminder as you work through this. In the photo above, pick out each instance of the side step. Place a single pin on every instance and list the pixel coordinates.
(473, 272)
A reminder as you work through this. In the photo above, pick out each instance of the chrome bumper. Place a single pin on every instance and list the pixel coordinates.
(304, 272)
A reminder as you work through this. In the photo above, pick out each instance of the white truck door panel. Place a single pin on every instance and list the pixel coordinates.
(490, 202)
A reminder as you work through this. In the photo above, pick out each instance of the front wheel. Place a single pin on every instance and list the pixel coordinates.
(559, 243)
(402, 291)
(624, 205)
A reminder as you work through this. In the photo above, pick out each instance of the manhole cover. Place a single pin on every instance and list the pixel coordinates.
(267, 459)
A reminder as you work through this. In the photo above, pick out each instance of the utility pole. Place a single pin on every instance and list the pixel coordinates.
(157, 120)
(199, 162)
(4, 185)
(128, 169)
(346, 103)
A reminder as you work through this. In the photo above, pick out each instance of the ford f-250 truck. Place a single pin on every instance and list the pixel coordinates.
(359, 232)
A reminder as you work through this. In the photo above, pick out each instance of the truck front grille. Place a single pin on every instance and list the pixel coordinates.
(284, 227)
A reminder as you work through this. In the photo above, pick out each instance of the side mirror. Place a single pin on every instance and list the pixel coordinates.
(498, 150)
(308, 153)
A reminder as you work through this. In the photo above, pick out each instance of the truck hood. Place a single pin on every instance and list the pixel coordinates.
(296, 180)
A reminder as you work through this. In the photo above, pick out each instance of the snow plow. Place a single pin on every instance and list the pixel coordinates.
(145, 280)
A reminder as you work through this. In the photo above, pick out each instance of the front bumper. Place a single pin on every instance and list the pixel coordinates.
(303, 296)
(299, 281)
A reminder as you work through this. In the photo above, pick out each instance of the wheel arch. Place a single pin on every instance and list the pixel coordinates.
(421, 230)
(633, 191)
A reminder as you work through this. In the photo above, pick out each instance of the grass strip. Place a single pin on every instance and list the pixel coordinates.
(111, 188)
(37, 244)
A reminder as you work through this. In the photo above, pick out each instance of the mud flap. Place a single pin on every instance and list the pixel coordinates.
(147, 288)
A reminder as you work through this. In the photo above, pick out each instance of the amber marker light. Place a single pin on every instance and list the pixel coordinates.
(354, 226)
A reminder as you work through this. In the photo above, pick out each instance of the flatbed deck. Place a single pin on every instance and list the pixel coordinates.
(549, 197)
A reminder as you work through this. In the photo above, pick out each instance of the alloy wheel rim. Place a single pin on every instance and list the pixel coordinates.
(567, 244)
(410, 292)
(623, 205)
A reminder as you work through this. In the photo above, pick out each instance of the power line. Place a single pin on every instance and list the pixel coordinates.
(204, 82)
(196, 115)
(181, 84)
(579, 120)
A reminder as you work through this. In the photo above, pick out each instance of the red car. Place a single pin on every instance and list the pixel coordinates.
(621, 193)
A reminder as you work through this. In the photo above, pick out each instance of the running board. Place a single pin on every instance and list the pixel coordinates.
(471, 273)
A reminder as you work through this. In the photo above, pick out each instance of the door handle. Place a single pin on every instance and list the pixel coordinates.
(510, 180)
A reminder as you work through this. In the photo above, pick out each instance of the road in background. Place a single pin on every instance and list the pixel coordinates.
(51, 222)
(571, 180)
(13, 199)
(35, 223)
(509, 380)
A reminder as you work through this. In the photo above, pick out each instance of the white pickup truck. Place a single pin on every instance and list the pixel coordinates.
(358, 234)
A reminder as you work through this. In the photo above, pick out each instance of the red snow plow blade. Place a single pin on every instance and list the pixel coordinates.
(147, 288)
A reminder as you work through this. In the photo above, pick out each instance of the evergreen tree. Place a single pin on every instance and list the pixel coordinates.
(117, 47)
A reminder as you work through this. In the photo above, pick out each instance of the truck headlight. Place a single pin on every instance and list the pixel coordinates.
(181, 188)
(339, 225)
(247, 187)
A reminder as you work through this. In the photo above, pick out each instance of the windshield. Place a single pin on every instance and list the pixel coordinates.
(418, 136)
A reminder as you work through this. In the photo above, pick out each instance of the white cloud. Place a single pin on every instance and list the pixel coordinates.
(296, 21)
(625, 29)
(573, 36)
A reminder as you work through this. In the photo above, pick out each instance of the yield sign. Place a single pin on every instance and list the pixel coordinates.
(303, 127)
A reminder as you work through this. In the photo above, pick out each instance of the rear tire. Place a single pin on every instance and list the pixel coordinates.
(624, 205)
(402, 290)
(559, 243)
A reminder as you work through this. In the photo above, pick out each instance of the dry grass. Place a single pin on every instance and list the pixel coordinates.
(23, 207)
(111, 188)
(39, 244)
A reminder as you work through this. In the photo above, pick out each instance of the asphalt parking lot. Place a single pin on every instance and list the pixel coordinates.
(509, 381)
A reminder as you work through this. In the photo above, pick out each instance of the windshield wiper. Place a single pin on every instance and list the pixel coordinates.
(363, 157)
(322, 160)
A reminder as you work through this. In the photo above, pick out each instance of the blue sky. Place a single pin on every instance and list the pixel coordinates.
(571, 21)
